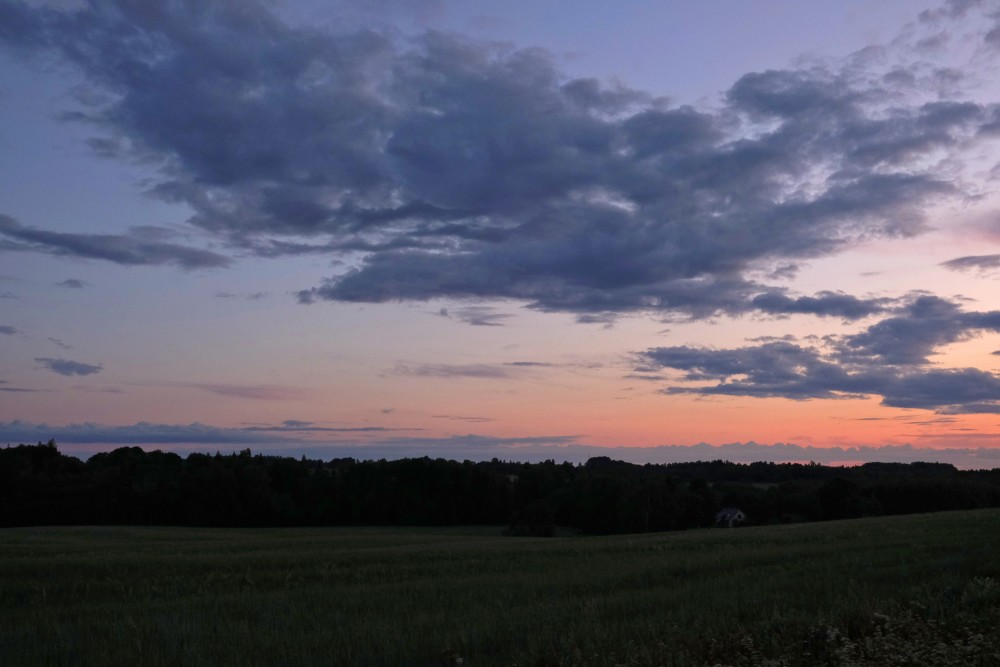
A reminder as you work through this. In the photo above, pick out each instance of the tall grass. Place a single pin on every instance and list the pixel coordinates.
(877, 591)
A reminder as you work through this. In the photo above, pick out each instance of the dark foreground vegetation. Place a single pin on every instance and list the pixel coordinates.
(41, 486)
(920, 590)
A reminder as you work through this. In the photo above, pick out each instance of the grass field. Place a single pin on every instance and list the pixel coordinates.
(913, 590)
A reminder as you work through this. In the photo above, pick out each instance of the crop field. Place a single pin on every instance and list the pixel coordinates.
(913, 590)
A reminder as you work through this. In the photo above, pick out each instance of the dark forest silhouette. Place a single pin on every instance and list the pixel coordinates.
(39, 485)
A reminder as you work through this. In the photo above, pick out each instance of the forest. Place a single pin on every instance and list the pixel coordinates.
(39, 485)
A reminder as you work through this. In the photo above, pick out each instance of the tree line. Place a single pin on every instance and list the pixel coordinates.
(39, 485)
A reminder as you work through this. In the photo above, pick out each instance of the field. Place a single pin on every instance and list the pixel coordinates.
(913, 590)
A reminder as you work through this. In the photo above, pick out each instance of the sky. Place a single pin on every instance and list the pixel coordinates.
(655, 231)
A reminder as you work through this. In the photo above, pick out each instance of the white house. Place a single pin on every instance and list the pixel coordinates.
(729, 517)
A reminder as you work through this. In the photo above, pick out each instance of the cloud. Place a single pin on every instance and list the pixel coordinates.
(252, 296)
(296, 426)
(7, 330)
(470, 446)
(98, 390)
(138, 433)
(449, 168)
(479, 316)
(67, 367)
(132, 248)
(473, 419)
(501, 371)
(146, 433)
(824, 304)
(16, 390)
(890, 359)
(607, 319)
(482, 371)
(771, 369)
(910, 337)
(296, 423)
(262, 392)
(90, 438)
(72, 283)
(970, 262)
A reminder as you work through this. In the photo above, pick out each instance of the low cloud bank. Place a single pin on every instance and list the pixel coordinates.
(292, 439)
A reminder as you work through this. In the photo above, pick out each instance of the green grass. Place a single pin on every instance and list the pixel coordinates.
(913, 590)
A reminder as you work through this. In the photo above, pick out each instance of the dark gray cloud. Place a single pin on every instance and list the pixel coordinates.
(6, 330)
(824, 304)
(67, 367)
(771, 369)
(911, 336)
(72, 283)
(950, 391)
(948, 10)
(970, 262)
(135, 247)
(479, 316)
(607, 319)
(451, 168)
(890, 359)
